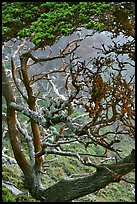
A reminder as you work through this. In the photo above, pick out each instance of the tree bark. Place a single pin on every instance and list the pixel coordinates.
(69, 189)
(31, 103)
(31, 178)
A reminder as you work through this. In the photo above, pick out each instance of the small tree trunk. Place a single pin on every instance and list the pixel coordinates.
(31, 178)
(31, 103)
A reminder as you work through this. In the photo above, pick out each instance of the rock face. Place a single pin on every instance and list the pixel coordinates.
(11, 187)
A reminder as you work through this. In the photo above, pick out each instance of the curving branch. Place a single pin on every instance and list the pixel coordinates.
(24, 132)
(13, 133)
(68, 189)
(16, 80)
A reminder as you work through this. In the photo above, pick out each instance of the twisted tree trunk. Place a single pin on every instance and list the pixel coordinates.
(31, 178)
(68, 189)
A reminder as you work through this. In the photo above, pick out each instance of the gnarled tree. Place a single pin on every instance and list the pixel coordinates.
(50, 97)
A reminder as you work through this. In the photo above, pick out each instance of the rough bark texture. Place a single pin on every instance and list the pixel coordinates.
(64, 190)
(29, 174)
(67, 190)
(19, 156)
(31, 103)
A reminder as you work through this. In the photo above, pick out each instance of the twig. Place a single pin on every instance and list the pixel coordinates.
(127, 181)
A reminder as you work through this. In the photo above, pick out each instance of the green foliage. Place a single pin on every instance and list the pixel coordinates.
(7, 195)
(64, 167)
(12, 173)
(5, 30)
(43, 22)
(90, 24)
(24, 32)
(99, 26)
(117, 192)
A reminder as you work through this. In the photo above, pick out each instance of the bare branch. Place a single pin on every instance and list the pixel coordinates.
(23, 131)
(16, 81)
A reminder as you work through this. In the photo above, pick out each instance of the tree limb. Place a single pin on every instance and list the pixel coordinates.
(68, 189)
